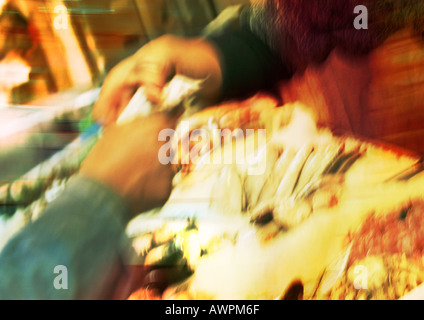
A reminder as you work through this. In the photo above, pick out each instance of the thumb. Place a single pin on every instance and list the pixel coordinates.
(154, 78)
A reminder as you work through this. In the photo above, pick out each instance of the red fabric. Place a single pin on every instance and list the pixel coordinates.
(379, 96)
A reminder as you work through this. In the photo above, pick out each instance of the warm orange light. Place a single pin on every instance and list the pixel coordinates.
(2, 4)
(14, 71)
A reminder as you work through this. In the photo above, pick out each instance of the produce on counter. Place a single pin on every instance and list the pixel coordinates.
(316, 188)
(386, 259)
(24, 200)
(270, 224)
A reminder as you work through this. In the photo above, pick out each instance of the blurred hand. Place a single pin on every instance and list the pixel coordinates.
(152, 67)
(126, 159)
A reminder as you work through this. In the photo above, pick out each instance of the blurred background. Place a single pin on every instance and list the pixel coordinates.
(55, 54)
(67, 44)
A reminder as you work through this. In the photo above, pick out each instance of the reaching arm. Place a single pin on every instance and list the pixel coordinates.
(247, 63)
(77, 248)
(236, 62)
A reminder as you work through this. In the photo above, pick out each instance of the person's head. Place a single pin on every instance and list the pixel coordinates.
(307, 30)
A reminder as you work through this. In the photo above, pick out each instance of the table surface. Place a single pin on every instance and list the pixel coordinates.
(32, 133)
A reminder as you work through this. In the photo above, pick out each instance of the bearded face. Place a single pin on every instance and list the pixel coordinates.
(305, 31)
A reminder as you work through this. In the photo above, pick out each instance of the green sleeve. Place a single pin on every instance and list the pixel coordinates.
(248, 64)
(74, 250)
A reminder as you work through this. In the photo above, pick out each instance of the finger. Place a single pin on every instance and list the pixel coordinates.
(154, 78)
(116, 91)
(110, 105)
(123, 100)
(153, 92)
(103, 110)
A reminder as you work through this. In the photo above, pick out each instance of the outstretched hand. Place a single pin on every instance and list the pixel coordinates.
(152, 67)
(126, 159)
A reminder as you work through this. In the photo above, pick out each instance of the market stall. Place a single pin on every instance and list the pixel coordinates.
(299, 211)
(329, 217)
(268, 202)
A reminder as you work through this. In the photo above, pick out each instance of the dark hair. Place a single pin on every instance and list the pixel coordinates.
(305, 31)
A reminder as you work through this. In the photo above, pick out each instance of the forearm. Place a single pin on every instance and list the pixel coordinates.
(83, 231)
(247, 62)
